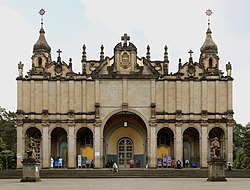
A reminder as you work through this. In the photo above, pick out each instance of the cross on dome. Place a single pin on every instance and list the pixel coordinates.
(59, 52)
(190, 52)
(125, 38)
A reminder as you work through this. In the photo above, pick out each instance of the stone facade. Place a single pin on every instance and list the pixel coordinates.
(124, 107)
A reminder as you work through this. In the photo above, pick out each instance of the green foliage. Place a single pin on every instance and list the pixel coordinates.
(7, 139)
(242, 146)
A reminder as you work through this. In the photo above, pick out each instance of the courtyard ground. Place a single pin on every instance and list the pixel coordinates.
(127, 184)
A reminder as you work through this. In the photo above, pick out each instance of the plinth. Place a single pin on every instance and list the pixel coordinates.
(30, 170)
(216, 169)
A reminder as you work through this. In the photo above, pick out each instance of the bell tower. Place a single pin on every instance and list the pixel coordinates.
(209, 51)
(41, 50)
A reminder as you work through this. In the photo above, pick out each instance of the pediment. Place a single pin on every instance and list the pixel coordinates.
(108, 68)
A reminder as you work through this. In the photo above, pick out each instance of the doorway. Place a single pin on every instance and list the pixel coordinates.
(125, 152)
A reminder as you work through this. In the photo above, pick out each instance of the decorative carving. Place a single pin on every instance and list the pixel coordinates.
(31, 149)
(229, 69)
(215, 148)
(125, 60)
(20, 69)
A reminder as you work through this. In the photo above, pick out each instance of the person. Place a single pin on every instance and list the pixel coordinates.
(186, 163)
(115, 168)
(229, 167)
(51, 162)
(178, 164)
(131, 163)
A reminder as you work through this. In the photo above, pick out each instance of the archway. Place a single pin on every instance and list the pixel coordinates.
(165, 144)
(84, 147)
(191, 147)
(125, 139)
(219, 133)
(59, 147)
(35, 133)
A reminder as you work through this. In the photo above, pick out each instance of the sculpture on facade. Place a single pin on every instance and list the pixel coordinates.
(229, 69)
(215, 148)
(31, 150)
(20, 69)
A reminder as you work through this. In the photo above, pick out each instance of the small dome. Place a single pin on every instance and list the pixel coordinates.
(41, 44)
(209, 45)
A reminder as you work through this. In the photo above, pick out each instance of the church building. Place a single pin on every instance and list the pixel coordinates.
(123, 107)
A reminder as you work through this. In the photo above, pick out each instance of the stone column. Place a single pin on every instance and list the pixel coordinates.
(19, 95)
(97, 145)
(45, 95)
(32, 96)
(204, 145)
(230, 95)
(71, 95)
(20, 145)
(71, 146)
(45, 152)
(178, 143)
(152, 146)
(230, 143)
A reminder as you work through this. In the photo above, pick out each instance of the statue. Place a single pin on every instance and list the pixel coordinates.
(31, 150)
(215, 148)
(20, 69)
(229, 69)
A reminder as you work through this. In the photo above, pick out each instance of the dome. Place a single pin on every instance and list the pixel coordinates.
(209, 45)
(41, 44)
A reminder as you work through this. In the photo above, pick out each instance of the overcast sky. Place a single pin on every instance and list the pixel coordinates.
(179, 24)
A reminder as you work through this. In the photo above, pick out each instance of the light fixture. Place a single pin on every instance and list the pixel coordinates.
(125, 124)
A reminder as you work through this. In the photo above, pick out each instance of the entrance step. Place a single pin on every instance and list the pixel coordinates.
(123, 173)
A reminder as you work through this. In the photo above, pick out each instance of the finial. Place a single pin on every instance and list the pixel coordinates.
(166, 53)
(125, 38)
(209, 12)
(148, 53)
(102, 53)
(70, 64)
(180, 64)
(59, 52)
(190, 58)
(42, 12)
(59, 57)
(84, 53)
(190, 52)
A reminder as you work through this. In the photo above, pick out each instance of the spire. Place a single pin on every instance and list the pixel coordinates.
(209, 46)
(41, 44)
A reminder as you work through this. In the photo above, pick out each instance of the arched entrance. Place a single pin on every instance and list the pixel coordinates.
(219, 133)
(165, 143)
(125, 151)
(191, 147)
(125, 139)
(37, 138)
(59, 147)
(84, 144)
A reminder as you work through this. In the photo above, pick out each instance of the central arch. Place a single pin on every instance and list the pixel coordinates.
(127, 128)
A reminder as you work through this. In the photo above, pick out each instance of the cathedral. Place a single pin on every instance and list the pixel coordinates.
(124, 107)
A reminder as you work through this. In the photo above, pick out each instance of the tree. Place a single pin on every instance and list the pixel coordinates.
(242, 146)
(7, 139)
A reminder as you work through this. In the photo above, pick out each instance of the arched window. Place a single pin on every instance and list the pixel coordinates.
(210, 63)
(40, 62)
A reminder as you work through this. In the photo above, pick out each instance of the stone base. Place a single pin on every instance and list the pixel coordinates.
(30, 171)
(216, 169)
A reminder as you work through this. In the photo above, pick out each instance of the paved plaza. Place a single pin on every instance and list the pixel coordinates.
(127, 184)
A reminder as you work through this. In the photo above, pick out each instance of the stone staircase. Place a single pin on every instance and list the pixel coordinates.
(123, 173)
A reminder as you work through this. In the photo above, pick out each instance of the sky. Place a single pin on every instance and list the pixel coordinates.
(179, 24)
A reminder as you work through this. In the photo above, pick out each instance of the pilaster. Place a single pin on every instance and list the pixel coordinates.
(45, 146)
(20, 145)
(97, 145)
(204, 144)
(71, 146)
(178, 142)
(152, 145)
